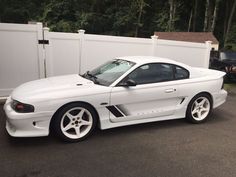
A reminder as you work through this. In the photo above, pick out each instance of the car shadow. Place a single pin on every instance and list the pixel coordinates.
(52, 139)
(162, 125)
(31, 141)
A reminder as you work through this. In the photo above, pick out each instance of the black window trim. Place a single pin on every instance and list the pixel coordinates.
(173, 70)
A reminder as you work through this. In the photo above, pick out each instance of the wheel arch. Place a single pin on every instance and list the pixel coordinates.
(60, 108)
(204, 92)
(207, 93)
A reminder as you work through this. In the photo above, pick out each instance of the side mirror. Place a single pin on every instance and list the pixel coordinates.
(131, 82)
(128, 83)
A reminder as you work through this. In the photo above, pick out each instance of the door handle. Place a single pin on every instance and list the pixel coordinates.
(170, 90)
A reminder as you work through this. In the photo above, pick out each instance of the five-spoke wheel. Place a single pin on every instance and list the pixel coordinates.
(75, 122)
(199, 108)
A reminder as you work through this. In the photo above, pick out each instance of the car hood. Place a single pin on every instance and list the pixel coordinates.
(49, 87)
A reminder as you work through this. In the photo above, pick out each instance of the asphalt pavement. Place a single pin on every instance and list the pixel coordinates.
(162, 149)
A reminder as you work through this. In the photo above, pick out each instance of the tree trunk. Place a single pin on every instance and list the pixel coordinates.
(214, 16)
(195, 15)
(226, 18)
(174, 12)
(190, 20)
(230, 22)
(210, 14)
(206, 15)
(171, 16)
(141, 5)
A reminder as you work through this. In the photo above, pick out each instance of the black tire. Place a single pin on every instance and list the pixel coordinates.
(57, 123)
(189, 113)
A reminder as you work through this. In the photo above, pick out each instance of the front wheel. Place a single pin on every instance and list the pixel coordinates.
(75, 122)
(199, 108)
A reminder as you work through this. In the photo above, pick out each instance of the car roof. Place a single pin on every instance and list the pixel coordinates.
(151, 59)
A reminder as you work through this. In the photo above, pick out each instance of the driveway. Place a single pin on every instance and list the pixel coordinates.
(168, 148)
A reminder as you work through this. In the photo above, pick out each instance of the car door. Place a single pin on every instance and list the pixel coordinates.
(155, 95)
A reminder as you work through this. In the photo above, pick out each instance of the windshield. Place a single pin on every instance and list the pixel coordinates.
(107, 73)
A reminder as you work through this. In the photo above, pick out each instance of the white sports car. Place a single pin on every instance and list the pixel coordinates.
(123, 91)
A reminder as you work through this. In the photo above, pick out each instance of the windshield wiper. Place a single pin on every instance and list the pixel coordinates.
(93, 77)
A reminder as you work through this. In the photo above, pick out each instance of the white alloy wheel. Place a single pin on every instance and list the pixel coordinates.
(76, 123)
(200, 108)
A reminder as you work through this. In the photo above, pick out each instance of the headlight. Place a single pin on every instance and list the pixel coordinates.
(22, 107)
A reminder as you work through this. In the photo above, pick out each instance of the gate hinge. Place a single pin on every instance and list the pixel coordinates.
(43, 41)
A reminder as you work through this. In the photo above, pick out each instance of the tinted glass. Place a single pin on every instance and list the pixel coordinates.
(109, 72)
(152, 73)
(181, 73)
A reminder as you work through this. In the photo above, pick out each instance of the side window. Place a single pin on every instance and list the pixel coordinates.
(181, 73)
(151, 73)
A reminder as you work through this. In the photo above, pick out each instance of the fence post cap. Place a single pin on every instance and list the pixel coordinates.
(46, 28)
(81, 31)
(154, 37)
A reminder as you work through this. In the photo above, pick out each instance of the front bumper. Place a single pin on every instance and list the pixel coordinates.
(219, 98)
(26, 124)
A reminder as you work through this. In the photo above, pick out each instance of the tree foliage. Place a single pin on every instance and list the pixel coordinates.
(128, 17)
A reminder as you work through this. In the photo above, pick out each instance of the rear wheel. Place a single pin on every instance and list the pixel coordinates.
(75, 122)
(199, 108)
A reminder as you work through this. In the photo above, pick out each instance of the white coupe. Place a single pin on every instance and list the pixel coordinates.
(123, 91)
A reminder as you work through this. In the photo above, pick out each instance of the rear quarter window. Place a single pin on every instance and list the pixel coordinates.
(181, 73)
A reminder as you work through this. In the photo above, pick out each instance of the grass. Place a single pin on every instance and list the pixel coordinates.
(230, 87)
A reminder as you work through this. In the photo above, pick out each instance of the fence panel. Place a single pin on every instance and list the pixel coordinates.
(62, 53)
(97, 49)
(69, 53)
(20, 60)
(193, 54)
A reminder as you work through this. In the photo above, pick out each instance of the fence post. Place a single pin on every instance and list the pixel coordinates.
(46, 54)
(154, 44)
(39, 27)
(81, 40)
(207, 54)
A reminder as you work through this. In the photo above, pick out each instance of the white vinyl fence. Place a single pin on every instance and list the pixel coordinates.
(21, 57)
(29, 52)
